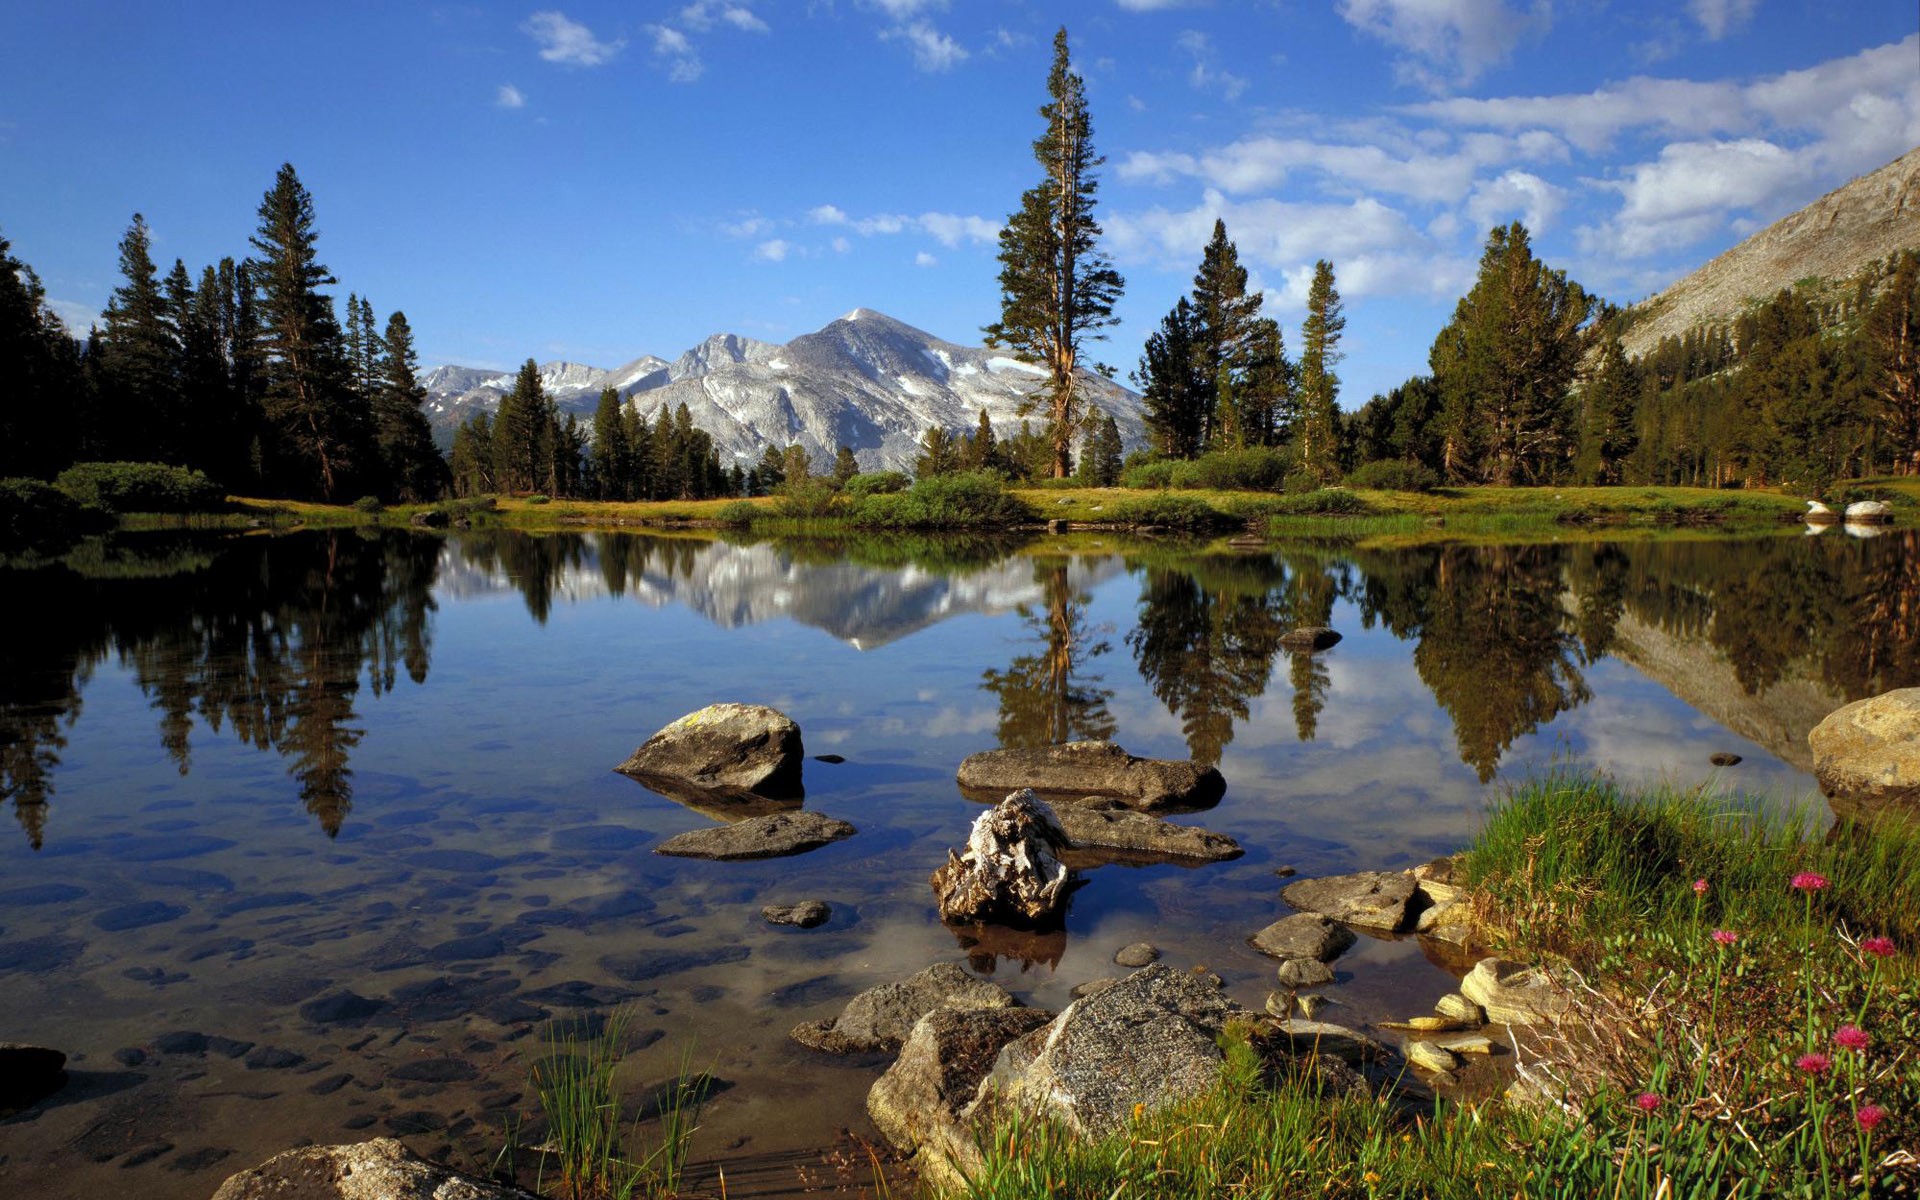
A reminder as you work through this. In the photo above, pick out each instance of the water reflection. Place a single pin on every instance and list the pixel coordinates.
(271, 640)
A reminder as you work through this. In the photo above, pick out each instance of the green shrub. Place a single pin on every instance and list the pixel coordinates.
(124, 487)
(1394, 475)
(1338, 502)
(1147, 474)
(1252, 469)
(1299, 483)
(1189, 513)
(808, 498)
(538, 498)
(39, 515)
(972, 499)
(876, 483)
(370, 505)
(738, 515)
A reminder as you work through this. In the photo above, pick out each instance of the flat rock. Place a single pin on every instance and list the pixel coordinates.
(1078, 769)
(1336, 1041)
(1310, 638)
(1138, 954)
(1454, 1005)
(381, 1169)
(29, 1074)
(1369, 899)
(1118, 834)
(1010, 872)
(880, 1018)
(1866, 756)
(1304, 935)
(1429, 1057)
(805, 915)
(1515, 993)
(1150, 1040)
(746, 746)
(917, 1104)
(771, 836)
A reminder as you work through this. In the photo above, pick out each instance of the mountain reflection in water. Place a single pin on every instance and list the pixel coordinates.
(270, 639)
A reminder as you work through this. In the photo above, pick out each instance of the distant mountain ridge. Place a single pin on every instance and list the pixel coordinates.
(1872, 217)
(865, 380)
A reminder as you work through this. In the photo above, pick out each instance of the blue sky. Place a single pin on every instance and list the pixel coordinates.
(601, 180)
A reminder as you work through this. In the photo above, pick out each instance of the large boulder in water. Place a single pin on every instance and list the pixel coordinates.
(881, 1017)
(1010, 872)
(1078, 769)
(748, 747)
(1866, 756)
(381, 1169)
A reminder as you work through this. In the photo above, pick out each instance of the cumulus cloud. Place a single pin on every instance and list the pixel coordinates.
(1205, 74)
(1268, 232)
(1447, 42)
(1718, 18)
(1263, 163)
(510, 96)
(674, 50)
(773, 250)
(933, 51)
(1516, 194)
(704, 14)
(949, 229)
(923, 259)
(562, 40)
(1689, 192)
(77, 317)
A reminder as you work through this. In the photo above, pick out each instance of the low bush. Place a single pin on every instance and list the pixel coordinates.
(1187, 513)
(370, 505)
(539, 498)
(972, 499)
(806, 499)
(125, 487)
(1394, 475)
(738, 515)
(41, 516)
(876, 483)
(1252, 469)
(1322, 502)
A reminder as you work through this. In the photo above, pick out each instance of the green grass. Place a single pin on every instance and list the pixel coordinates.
(596, 1149)
(1683, 1069)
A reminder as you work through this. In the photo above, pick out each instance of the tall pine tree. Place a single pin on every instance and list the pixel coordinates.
(1317, 387)
(411, 464)
(139, 357)
(1225, 316)
(1173, 381)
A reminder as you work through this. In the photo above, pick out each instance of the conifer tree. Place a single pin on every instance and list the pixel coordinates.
(1100, 449)
(524, 427)
(1224, 323)
(45, 381)
(322, 436)
(1609, 430)
(472, 457)
(1266, 397)
(772, 471)
(1172, 382)
(139, 356)
(938, 454)
(1893, 341)
(980, 452)
(1317, 385)
(411, 465)
(1056, 287)
(845, 465)
(639, 437)
(610, 457)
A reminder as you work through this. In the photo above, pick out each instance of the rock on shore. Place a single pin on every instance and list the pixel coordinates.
(381, 1169)
(1866, 756)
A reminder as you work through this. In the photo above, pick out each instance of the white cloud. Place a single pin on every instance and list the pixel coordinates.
(1205, 75)
(77, 317)
(566, 41)
(773, 250)
(510, 96)
(675, 50)
(949, 229)
(841, 245)
(1447, 42)
(827, 214)
(751, 225)
(923, 259)
(1270, 233)
(1690, 191)
(933, 51)
(1262, 163)
(702, 15)
(1154, 5)
(901, 10)
(1516, 194)
(1718, 18)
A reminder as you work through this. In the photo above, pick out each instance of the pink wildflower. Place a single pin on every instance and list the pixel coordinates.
(1850, 1037)
(1647, 1101)
(1726, 937)
(1699, 887)
(1870, 1115)
(1879, 947)
(1810, 881)
(1813, 1064)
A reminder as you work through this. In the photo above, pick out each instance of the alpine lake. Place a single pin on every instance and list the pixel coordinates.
(318, 837)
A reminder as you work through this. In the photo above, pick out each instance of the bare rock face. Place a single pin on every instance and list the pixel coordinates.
(880, 1018)
(727, 746)
(1078, 769)
(1367, 899)
(381, 1169)
(1150, 1040)
(772, 836)
(1099, 834)
(1866, 756)
(1011, 872)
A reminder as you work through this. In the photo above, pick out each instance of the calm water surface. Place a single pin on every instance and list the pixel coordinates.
(318, 838)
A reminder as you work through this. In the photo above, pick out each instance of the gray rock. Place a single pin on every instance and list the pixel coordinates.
(1303, 935)
(1335, 1041)
(381, 1169)
(806, 914)
(1091, 986)
(1514, 993)
(917, 1104)
(1866, 756)
(881, 1017)
(1011, 872)
(1116, 834)
(1149, 1040)
(1138, 954)
(1079, 769)
(1310, 638)
(772, 836)
(1369, 899)
(746, 746)
(29, 1074)
(1305, 973)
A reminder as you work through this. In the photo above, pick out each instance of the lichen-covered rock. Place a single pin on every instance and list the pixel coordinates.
(772, 836)
(1010, 872)
(381, 1169)
(1303, 935)
(747, 746)
(880, 1018)
(1078, 769)
(1866, 756)
(1149, 1040)
(1097, 834)
(1368, 899)
(1515, 993)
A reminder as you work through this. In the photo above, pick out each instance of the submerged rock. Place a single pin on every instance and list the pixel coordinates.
(1137, 954)
(1866, 756)
(1079, 769)
(1515, 993)
(28, 1075)
(805, 915)
(381, 1169)
(746, 746)
(1369, 899)
(881, 1017)
(772, 836)
(1102, 834)
(1011, 870)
